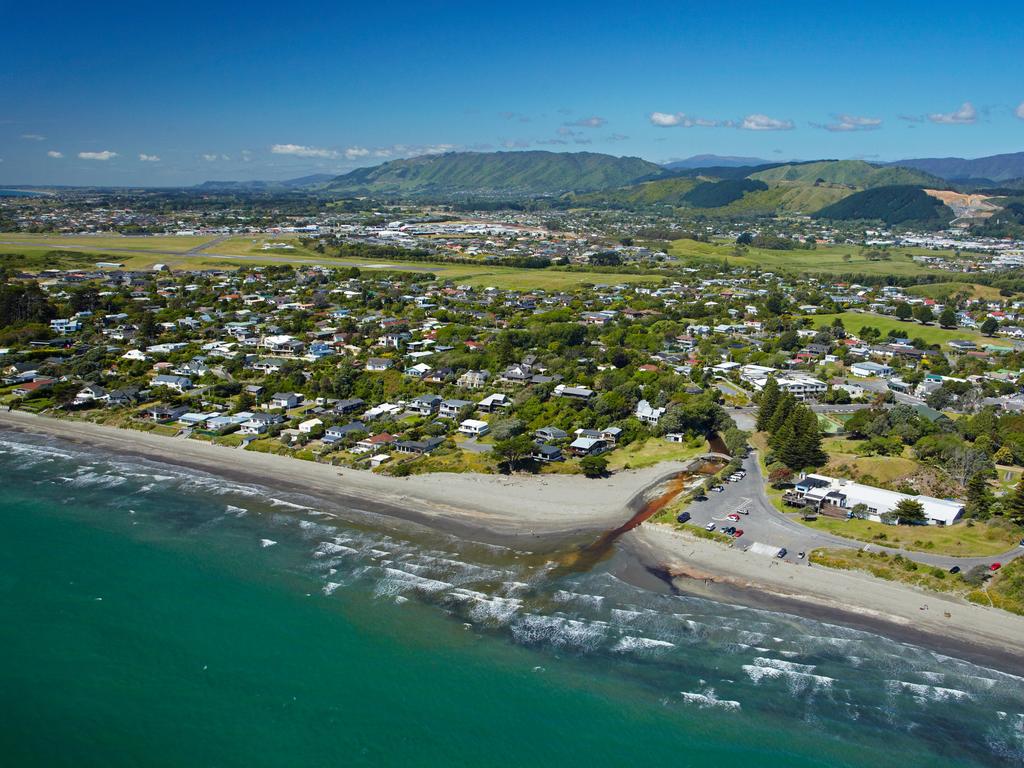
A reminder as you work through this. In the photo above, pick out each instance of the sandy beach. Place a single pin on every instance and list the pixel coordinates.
(549, 512)
(942, 622)
(487, 506)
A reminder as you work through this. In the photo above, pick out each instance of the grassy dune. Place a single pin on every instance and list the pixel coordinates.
(822, 260)
(932, 334)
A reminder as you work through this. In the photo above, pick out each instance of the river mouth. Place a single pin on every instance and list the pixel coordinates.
(585, 558)
(575, 607)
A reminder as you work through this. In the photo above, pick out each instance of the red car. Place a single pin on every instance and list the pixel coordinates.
(734, 517)
(995, 566)
(739, 532)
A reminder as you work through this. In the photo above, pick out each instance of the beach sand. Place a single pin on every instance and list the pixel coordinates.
(943, 622)
(546, 513)
(496, 507)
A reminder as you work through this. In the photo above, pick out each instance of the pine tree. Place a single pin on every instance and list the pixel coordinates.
(1013, 505)
(784, 444)
(979, 499)
(809, 438)
(782, 412)
(767, 404)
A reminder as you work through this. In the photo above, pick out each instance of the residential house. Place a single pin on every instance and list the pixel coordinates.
(474, 427)
(451, 409)
(647, 413)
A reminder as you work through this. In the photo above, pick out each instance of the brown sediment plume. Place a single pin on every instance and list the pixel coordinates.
(587, 557)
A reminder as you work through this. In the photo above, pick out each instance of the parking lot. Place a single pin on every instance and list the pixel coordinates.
(759, 520)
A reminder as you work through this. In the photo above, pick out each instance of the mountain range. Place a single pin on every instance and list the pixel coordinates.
(502, 173)
(994, 168)
(839, 189)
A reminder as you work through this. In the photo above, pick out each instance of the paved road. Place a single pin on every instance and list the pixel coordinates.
(765, 524)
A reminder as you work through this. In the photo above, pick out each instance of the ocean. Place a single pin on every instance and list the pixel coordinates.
(164, 617)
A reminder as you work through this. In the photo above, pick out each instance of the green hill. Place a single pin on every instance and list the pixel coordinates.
(671, 191)
(786, 197)
(715, 194)
(851, 173)
(503, 173)
(892, 205)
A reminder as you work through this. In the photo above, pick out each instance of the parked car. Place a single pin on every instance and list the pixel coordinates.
(744, 511)
(737, 533)
(782, 553)
(683, 517)
(700, 497)
(719, 489)
(734, 517)
(730, 530)
(995, 566)
(955, 569)
(709, 527)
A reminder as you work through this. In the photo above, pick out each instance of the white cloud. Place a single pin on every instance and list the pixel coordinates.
(33, 137)
(588, 122)
(209, 157)
(54, 154)
(759, 122)
(300, 150)
(148, 158)
(966, 115)
(246, 156)
(106, 154)
(666, 120)
(847, 123)
(617, 137)
(1020, 110)
(515, 144)
(681, 119)
(355, 152)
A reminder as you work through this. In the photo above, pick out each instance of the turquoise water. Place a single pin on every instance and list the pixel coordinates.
(154, 616)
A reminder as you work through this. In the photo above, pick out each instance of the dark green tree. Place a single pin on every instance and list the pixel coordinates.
(767, 404)
(979, 498)
(594, 466)
(948, 318)
(911, 512)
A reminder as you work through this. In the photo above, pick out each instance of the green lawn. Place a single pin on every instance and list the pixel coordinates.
(977, 540)
(932, 334)
(652, 451)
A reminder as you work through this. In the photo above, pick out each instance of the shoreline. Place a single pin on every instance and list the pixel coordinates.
(690, 565)
(499, 509)
(551, 513)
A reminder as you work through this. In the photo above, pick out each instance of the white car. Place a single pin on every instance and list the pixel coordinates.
(709, 527)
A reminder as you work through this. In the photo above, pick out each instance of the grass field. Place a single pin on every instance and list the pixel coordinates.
(653, 451)
(822, 260)
(953, 287)
(99, 242)
(235, 253)
(932, 334)
(979, 539)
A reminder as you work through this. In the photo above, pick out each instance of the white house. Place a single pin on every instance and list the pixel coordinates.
(822, 489)
(307, 427)
(647, 413)
(474, 427)
(868, 369)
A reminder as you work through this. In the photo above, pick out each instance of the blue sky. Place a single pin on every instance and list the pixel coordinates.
(178, 93)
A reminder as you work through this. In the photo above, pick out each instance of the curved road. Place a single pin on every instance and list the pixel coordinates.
(765, 524)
